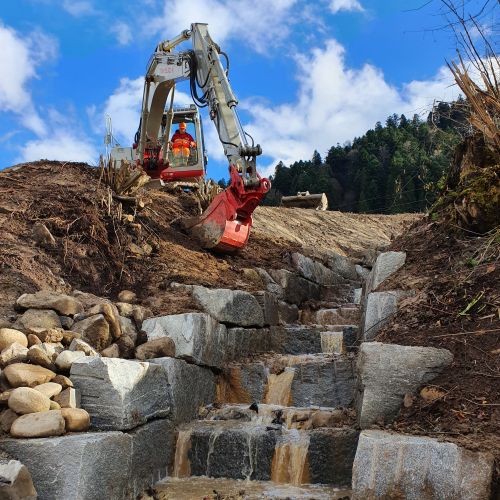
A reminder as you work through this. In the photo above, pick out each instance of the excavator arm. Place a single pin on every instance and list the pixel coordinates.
(225, 224)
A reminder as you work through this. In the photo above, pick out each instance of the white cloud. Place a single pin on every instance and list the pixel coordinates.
(346, 5)
(19, 61)
(60, 145)
(122, 32)
(260, 23)
(78, 8)
(336, 103)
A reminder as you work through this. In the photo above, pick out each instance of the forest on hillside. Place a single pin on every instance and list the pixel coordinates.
(396, 167)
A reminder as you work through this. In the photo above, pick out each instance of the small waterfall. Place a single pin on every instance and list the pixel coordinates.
(211, 446)
(279, 388)
(332, 342)
(290, 461)
(182, 465)
(229, 388)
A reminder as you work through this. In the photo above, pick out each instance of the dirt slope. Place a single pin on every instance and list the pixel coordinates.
(95, 251)
(456, 306)
(344, 233)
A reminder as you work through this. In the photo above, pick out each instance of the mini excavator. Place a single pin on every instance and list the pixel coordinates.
(225, 224)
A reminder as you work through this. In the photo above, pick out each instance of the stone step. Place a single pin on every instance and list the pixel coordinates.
(92, 465)
(251, 450)
(346, 314)
(303, 380)
(201, 487)
(310, 339)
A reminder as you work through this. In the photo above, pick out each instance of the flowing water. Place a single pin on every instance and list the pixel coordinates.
(279, 388)
(202, 488)
(182, 466)
(290, 464)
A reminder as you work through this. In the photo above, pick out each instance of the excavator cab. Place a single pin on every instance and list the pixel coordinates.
(184, 161)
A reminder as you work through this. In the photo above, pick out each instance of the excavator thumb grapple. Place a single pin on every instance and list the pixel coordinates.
(225, 224)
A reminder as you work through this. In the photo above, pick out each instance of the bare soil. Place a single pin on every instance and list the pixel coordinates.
(456, 306)
(93, 249)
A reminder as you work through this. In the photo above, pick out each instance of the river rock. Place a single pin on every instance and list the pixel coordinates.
(313, 270)
(391, 465)
(77, 419)
(54, 405)
(9, 336)
(38, 356)
(387, 372)
(38, 318)
(67, 358)
(63, 381)
(4, 396)
(22, 374)
(16, 483)
(15, 353)
(113, 351)
(158, 348)
(69, 336)
(51, 335)
(69, 398)
(112, 316)
(33, 425)
(81, 345)
(33, 340)
(6, 419)
(49, 389)
(65, 305)
(125, 309)
(24, 400)
(126, 347)
(234, 307)
(128, 329)
(386, 265)
(121, 394)
(95, 331)
(66, 322)
(198, 337)
(127, 296)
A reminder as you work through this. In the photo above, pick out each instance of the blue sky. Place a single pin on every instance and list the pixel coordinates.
(307, 74)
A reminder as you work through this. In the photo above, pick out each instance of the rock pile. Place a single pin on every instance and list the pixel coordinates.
(37, 351)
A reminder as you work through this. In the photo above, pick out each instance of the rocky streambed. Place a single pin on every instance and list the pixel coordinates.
(276, 394)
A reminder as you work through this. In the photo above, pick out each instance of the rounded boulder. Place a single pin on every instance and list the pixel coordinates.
(77, 419)
(8, 336)
(48, 423)
(24, 400)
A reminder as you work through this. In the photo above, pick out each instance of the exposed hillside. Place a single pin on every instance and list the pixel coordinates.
(94, 250)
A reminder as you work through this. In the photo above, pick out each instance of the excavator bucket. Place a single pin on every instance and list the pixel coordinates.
(225, 225)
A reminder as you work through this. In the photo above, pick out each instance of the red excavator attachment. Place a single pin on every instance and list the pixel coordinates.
(225, 224)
